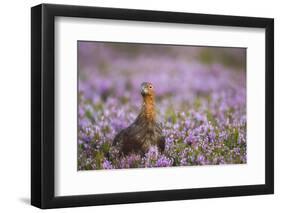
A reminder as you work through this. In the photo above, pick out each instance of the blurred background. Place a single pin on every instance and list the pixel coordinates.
(119, 69)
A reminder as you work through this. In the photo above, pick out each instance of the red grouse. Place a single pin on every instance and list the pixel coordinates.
(144, 132)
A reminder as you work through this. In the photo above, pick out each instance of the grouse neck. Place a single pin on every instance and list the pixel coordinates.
(149, 107)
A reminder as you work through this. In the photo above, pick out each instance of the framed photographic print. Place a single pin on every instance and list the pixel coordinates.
(139, 106)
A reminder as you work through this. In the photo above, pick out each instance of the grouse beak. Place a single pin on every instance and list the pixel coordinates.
(144, 90)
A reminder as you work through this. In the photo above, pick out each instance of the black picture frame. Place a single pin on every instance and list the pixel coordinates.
(43, 105)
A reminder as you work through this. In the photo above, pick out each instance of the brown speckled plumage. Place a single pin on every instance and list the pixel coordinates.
(144, 131)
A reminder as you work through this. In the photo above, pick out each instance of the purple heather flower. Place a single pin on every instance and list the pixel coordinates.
(187, 124)
(163, 161)
(212, 136)
(201, 159)
(107, 165)
(152, 152)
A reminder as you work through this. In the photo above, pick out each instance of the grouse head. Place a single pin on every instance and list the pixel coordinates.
(147, 89)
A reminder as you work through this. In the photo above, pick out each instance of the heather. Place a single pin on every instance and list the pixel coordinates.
(200, 100)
